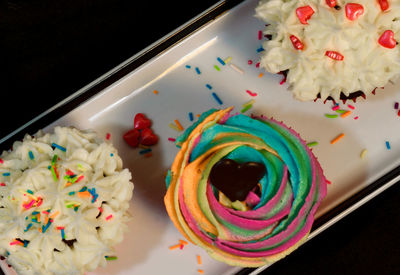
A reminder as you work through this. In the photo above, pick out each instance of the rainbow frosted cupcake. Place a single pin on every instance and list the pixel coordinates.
(64, 198)
(281, 186)
(331, 49)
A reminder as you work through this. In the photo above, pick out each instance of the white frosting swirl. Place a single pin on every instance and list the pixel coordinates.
(366, 63)
(26, 178)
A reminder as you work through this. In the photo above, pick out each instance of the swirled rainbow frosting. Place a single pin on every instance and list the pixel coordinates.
(270, 222)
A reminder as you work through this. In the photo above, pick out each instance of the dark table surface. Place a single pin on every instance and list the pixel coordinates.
(50, 49)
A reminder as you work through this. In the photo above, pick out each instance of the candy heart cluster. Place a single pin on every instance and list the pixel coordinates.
(141, 132)
(353, 11)
(331, 49)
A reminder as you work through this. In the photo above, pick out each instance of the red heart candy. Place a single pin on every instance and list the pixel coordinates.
(387, 39)
(141, 122)
(331, 3)
(148, 137)
(132, 137)
(384, 4)
(353, 11)
(304, 13)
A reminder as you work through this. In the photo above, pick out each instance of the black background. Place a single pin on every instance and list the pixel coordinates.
(50, 49)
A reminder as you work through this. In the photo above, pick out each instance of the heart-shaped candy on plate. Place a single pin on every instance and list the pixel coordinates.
(132, 137)
(148, 138)
(141, 122)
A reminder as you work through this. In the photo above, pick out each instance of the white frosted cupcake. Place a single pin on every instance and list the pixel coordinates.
(335, 49)
(63, 202)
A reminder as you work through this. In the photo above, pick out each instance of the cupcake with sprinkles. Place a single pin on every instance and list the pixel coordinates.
(64, 198)
(331, 49)
(243, 188)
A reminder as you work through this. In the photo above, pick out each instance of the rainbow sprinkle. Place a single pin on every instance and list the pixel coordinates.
(188, 66)
(31, 156)
(363, 153)
(216, 97)
(46, 226)
(217, 68)
(84, 194)
(252, 101)
(54, 159)
(111, 258)
(191, 116)
(313, 143)
(59, 147)
(340, 111)
(28, 227)
(62, 234)
(6, 174)
(173, 126)
(387, 145)
(94, 194)
(197, 70)
(171, 139)
(221, 61)
(54, 173)
(246, 108)
(174, 246)
(199, 259)
(345, 114)
(183, 242)
(335, 108)
(336, 139)
(69, 172)
(29, 205)
(251, 93)
(16, 242)
(396, 105)
(260, 49)
(145, 151)
(78, 179)
(331, 116)
(228, 59)
(180, 127)
(236, 68)
(108, 136)
(209, 86)
(109, 217)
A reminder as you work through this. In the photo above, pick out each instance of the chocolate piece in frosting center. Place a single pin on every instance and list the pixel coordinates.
(236, 180)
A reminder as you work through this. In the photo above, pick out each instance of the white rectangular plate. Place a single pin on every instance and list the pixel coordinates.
(145, 249)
